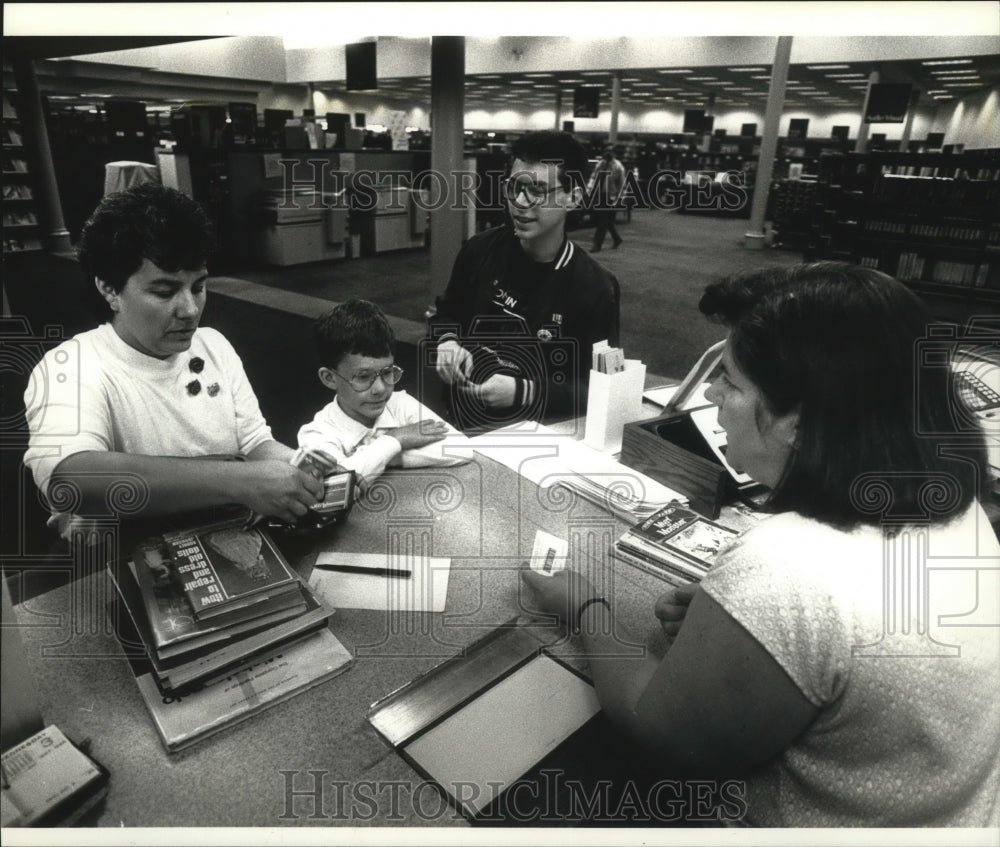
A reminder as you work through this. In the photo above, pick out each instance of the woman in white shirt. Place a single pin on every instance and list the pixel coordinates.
(125, 418)
(842, 657)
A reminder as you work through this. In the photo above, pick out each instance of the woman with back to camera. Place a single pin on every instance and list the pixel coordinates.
(805, 662)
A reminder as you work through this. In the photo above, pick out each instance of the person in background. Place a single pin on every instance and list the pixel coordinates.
(368, 425)
(841, 657)
(150, 400)
(516, 324)
(604, 189)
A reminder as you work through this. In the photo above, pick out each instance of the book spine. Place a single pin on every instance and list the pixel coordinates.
(664, 550)
(658, 569)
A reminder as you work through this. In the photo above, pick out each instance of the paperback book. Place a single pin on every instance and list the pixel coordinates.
(266, 681)
(226, 566)
(680, 538)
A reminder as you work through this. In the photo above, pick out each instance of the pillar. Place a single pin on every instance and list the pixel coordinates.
(862, 145)
(754, 237)
(447, 125)
(616, 98)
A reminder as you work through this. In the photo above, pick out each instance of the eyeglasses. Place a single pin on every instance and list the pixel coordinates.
(534, 192)
(390, 375)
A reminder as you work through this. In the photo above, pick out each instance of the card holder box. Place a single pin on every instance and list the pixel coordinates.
(671, 450)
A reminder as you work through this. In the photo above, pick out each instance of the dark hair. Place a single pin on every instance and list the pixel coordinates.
(357, 326)
(146, 222)
(839, 344)
(553, 146)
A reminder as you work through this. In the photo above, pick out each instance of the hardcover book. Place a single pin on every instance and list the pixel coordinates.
(225, 566)
(193, 667)
(265, 682)
(173, 629)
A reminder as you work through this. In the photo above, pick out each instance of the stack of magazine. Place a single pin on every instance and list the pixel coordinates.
(218, 612)
(675, 544)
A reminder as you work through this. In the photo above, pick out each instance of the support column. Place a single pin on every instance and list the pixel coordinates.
(616, 102)
(36, 137)
(447, 125)
(911, 108)
(558, 109)
(754, 237)
(862, 145)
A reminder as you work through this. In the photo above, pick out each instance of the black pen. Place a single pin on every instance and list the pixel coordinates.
(393, 573)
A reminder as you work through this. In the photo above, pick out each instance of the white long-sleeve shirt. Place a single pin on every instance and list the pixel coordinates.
(368, 450)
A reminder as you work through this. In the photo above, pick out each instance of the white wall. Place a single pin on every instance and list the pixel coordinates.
(974, 121)
(670, 120)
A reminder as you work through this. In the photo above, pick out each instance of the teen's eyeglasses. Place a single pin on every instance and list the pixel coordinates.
(534, 192)
(390, 375)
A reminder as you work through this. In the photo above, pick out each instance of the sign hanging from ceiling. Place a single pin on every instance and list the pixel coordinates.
(887, 103)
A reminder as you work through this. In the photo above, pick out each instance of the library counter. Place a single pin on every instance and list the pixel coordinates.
(315, 759)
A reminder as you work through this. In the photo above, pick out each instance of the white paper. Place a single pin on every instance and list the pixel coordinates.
(613, 400)
(549, 553)
(426, 590)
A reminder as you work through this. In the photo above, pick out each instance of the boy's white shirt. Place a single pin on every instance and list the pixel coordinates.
(369, 450)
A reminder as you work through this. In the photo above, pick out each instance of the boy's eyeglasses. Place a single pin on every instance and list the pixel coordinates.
(534, 192)
(390, 375)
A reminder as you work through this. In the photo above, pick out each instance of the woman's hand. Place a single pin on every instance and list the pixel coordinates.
(561, 594)
(277, 489)
(672, 606)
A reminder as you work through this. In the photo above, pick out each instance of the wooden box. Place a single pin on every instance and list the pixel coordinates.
(671, 450)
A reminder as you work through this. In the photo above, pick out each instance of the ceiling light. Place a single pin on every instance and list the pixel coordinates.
(761, 77)
(676, 71)
(962, 85)
(827, 67)
(746, 70)
(947, 62)
(700, 78)
(845, 76)
(593, 73)
(539, 75)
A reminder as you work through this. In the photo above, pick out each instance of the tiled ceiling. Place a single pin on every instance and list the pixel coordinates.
(831, 85)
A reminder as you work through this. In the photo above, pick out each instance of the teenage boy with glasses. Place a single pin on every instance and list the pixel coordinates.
(524, 305)
(368, 425)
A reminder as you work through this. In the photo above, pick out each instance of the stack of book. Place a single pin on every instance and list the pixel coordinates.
(214, 608)
(675, 544)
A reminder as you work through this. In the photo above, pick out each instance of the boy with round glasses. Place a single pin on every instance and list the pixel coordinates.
(368, 425)
(515, 326)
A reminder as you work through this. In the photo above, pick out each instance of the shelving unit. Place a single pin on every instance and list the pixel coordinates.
(931, 220)
(20, 219)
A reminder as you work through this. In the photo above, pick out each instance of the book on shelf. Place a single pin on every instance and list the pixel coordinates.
(226, 566)
(678, 537)
(173, 626)
(266, 681)
(179, 671)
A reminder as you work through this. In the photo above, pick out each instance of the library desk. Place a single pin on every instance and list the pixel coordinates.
(481, 515)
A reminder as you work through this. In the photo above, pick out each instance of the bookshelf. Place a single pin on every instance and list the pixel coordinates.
(20, 217)
(932, 220)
